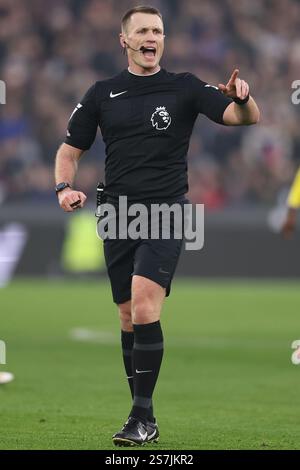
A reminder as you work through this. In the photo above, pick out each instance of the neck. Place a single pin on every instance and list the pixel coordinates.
(145, 74)
(137, 70)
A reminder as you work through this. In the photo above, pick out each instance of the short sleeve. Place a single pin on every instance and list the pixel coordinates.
(83, 122)
(208, 99)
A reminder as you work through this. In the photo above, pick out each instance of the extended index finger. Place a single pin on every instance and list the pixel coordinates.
(233, 76)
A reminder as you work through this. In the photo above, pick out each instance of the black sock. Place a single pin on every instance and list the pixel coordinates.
(146, 360)
(127, 339)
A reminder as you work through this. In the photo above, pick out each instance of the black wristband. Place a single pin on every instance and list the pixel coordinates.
(61, 186)
(241, 102)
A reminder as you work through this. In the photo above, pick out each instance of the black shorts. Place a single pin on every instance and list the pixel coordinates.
(155, 259)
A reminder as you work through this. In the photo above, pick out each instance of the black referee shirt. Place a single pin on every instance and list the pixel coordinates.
(146, 124)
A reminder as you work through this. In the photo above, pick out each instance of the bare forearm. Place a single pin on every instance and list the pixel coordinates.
(247, 113)
(241, 115)
(66, 164)
(65, 170)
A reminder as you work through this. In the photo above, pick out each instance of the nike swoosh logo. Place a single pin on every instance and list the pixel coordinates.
(151, 435)
(162, 271)
(143, 435)
(113, 95)
(142, 371)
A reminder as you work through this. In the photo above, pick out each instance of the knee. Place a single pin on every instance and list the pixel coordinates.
(143, 310)
(125, 316)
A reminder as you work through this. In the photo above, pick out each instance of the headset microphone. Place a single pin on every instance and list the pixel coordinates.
(136, 50)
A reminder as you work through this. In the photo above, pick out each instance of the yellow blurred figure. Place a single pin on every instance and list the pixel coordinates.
(293, 203)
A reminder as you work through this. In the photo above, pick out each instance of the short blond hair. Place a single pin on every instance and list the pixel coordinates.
(139, 9)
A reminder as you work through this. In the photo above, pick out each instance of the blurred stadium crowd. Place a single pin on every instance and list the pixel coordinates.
(51, 52)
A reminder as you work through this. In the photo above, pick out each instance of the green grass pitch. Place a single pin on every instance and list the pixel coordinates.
(227, 380)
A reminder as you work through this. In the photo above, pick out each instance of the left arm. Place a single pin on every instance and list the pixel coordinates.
(239, 114)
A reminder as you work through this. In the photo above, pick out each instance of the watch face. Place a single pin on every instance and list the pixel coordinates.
(61, 186)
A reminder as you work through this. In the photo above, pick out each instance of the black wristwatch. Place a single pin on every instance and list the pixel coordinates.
(61, 186)
(240, 101)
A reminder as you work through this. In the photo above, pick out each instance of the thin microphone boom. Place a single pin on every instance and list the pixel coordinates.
(136, 50)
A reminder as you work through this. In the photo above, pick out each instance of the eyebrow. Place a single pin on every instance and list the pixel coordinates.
(153, 27)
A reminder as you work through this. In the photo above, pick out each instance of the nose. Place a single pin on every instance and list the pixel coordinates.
(150, 37)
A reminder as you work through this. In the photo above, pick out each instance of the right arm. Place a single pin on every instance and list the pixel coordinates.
(82, 129)
(66, 164)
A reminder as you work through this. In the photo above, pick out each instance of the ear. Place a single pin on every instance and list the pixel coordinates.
(122, 40)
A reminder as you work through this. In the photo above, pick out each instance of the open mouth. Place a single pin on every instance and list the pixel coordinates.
(148, 52)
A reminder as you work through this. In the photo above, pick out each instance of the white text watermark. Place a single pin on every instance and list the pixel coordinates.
(152, 221)
(295, 97)
(2, 92)
(296, 354)
(2, 352)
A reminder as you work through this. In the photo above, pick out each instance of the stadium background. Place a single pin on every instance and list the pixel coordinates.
(237, 333)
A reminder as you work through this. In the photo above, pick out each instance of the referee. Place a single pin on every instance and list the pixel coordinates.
(146, 116)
